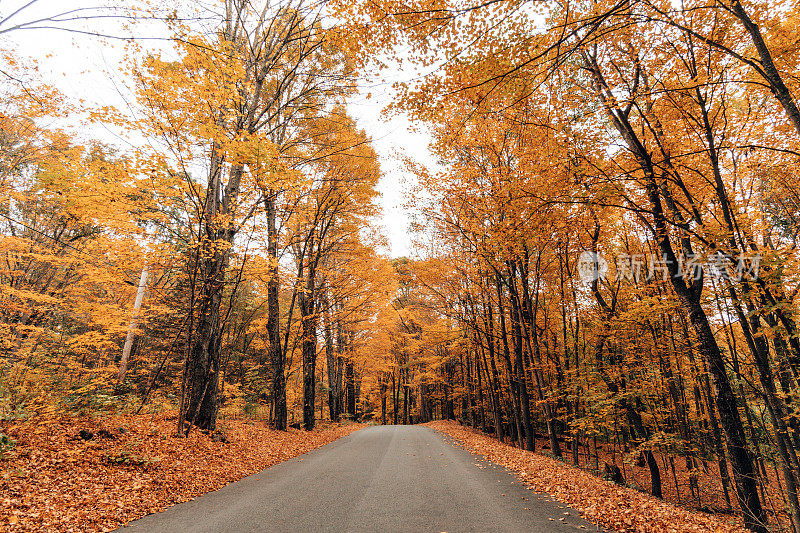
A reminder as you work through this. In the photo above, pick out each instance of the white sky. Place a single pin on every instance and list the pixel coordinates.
(84, 67)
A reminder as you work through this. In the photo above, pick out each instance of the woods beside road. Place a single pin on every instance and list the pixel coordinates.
(606, 237)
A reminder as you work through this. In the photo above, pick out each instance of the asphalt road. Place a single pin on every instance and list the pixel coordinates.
(383, 478)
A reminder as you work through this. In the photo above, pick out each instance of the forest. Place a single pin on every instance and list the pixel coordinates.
(605, 264)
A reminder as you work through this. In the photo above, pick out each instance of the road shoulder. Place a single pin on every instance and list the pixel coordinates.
(601, 502)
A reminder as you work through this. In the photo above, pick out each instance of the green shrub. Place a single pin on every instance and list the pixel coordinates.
(6, 444)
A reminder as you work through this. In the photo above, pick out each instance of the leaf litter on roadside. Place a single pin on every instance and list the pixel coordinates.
(608, 505)
(85, 474)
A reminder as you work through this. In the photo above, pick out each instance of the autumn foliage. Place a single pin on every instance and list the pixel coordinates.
(612, 234)
(606, 262)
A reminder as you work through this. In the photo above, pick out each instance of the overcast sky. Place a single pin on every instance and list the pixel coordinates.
(87, 68)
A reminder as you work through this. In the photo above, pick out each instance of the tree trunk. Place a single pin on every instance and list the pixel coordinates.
(519, 366)
(309, 347)
(277, 356)
(137, 304)
(495, 383)
(330, 357)
(199, 393)
(202, 364)
(351, 388)
(383, 401)
(744, 472)
(395, 389)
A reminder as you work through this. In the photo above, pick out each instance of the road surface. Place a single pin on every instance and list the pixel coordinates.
(382, 478)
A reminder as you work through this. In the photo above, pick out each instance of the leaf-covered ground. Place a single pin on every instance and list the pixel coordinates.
(54, 480)
(600, 501)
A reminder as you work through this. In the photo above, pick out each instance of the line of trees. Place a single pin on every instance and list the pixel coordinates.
(612, 266)
(663, 138)
(211, 265)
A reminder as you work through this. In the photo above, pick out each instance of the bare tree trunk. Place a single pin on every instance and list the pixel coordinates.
(507, 358)
(137, 304)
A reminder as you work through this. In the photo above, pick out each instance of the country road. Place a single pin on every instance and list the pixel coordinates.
(383, 478)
